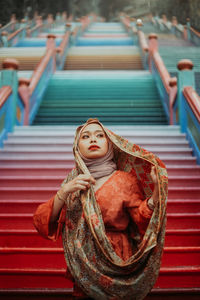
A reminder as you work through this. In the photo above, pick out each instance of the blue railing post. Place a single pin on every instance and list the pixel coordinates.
(9, 78)
(188, 25)
(185, 78)
(4, 38)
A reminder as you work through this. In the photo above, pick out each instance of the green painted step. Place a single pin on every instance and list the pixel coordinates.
(126, 97)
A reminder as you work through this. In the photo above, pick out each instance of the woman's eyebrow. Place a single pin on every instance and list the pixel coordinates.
(94, 131)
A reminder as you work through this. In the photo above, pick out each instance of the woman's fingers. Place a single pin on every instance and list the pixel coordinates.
(87, 178)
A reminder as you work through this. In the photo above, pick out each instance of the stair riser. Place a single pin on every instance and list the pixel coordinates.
(33, 260)
(184, 193)
(55, 183)
(63, 162)
(8, 206)
(33, 239)
(39, 280)
(55, 154)
(183, 207)
(55, 260)
(23, 222)
(47, 194)
(64, 171)
(180, 279)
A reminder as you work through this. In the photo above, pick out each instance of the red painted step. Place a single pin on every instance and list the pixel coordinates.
(56, 180)
(48, 170)
(174, 221)
(53, 258)
(183, 277)
(30, 205)
(45, 193)
(31, 238)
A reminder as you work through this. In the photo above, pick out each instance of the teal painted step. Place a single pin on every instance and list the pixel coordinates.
(172, 55)
(126, 97)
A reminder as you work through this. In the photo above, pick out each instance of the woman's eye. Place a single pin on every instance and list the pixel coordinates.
(85, 136)
(100, 135)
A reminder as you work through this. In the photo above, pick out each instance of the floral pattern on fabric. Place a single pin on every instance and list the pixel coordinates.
(89, 254)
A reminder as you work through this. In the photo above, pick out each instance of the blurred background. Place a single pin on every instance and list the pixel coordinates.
(109, 9)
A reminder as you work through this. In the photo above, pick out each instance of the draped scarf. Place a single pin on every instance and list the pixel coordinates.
(89, 255)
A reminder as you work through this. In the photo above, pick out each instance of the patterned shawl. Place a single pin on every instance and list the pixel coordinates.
(90, 257)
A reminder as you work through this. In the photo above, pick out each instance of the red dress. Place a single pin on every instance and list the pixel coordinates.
(121, 201)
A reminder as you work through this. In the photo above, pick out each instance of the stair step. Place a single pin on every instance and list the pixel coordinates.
(55, 181)
(62, 294)
(29, 206)
(23, 193)
(175, 220)
(53, 258)
(31, 238)
(168, 160)
(59, 152)
(57, 170)
(171, 277)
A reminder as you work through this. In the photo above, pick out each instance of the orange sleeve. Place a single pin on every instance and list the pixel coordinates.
(41, 220)
(137, 206)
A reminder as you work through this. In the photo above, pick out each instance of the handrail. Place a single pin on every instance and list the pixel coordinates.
(142, 40)
(193, 100)
(35, 28)
(37, 73)
(6, 27)
(13, 34)
(164, 74)
(5, 92)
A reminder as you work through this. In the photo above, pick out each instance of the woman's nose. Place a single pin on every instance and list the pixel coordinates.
(93, 139)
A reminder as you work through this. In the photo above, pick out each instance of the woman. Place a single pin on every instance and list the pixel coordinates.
(113, 207)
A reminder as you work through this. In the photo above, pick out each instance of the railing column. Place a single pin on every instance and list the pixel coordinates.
(25, 95)
(185, 78)
(9, 78)
(4, 38)
(188, 25)
(153, 46)
(172, 97)
(174, 24)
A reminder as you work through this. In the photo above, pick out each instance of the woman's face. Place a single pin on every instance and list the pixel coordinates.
(93, 142)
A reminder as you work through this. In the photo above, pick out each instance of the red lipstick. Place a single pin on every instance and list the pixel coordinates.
(93, 147)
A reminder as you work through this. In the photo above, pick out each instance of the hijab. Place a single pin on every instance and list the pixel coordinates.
(102, 166)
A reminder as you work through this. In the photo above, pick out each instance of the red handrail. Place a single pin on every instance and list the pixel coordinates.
(164, 74)
(12, 35)
(142, 40)
(40, 69)
(5, 92)
(193, 100)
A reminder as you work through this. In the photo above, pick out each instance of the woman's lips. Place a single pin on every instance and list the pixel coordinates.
(94, 147)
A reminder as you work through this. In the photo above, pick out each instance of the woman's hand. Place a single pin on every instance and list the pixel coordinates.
(81, 182)
(152, 201)
(154, 175)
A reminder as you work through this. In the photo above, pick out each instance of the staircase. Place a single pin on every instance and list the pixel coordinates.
(173, 49)
(36, 159)
(34, 162)
(104, 46)
(124, 97)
